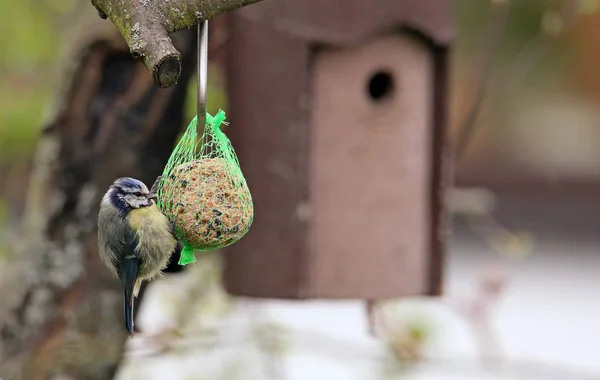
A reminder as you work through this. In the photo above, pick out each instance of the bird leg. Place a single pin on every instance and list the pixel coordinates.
(173, 227)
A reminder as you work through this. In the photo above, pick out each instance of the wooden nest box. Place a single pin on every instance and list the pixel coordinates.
(338, 113)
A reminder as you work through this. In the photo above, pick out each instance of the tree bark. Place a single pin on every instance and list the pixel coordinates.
(61, 312)
(146, 24)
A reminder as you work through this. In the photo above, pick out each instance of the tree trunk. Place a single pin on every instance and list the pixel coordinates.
(61, 311)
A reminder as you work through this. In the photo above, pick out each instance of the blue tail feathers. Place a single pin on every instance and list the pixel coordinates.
(128, 306)
(129, 271)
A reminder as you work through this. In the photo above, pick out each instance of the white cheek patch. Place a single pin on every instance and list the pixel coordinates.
(132, 201)
(136, 202)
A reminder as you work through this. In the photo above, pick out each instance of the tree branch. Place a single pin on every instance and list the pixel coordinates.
(146, 24)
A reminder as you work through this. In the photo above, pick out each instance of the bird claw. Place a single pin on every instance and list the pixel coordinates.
(155, 185)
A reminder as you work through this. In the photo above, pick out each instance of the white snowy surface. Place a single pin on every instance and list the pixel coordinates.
(550, 311)
(549, 314)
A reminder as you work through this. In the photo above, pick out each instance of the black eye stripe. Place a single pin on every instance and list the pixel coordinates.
(137, 193)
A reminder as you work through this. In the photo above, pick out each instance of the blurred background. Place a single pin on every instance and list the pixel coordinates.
(521, 277)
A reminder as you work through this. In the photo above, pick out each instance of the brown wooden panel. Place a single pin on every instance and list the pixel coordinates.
(346, 22)
(441, 171)
(370, 170)
(267, 79)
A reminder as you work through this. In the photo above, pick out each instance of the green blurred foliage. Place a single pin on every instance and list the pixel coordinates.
(20, 117)
(28, 51)
(31, 41)
(522, 32)
(523, 23)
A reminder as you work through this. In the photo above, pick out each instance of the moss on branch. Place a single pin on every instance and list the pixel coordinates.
(146, 24)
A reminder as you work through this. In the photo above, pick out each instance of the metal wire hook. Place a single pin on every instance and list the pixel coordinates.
(202, 74)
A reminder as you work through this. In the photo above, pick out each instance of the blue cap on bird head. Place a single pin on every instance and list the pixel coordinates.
(129, 183)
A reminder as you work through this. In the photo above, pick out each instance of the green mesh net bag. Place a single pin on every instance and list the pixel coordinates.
(203, 191)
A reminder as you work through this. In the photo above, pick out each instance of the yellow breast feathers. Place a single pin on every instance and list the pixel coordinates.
(152, 228)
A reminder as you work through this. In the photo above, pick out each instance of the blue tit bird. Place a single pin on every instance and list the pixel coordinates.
(135, 238)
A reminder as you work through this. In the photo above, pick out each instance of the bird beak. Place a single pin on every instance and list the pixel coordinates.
(152, 196)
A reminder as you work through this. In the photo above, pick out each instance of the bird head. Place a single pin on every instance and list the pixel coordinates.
(128, 193)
